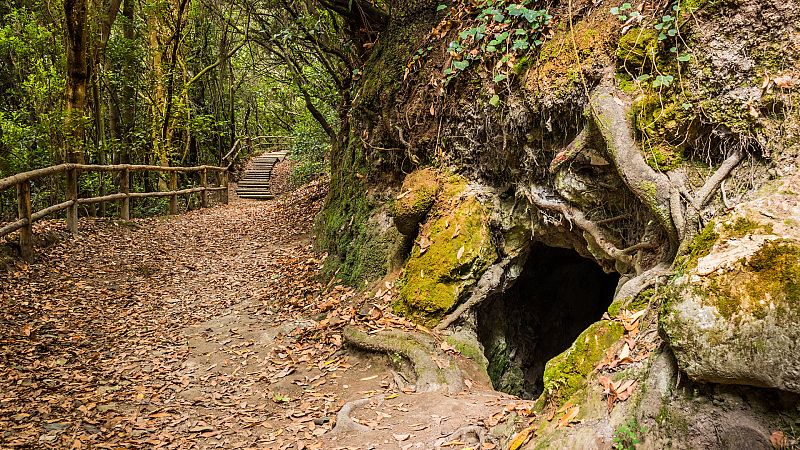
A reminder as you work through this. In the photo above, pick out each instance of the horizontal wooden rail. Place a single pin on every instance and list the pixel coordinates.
(26, 218)
(14, 180)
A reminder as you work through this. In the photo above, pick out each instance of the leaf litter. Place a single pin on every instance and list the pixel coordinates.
(214, 329)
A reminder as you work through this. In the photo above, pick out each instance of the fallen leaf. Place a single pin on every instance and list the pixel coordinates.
(521, 438)
(569, 416)
(778, 440)
(401, 437)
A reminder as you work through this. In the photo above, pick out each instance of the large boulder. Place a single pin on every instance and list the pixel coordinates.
(733, 317)
(453, 250)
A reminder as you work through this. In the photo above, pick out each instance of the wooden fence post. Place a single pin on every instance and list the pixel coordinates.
(72, 194)
(125, 188)
(173, 199)
(204, 192)
(102, 205)
(224, 182)
(24, 213)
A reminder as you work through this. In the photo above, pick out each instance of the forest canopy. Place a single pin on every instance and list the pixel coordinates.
(174, 82)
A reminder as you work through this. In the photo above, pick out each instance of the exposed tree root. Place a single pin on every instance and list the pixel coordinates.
(667, 196)
(346, 423)
(652, 188)
(492, 281)
(633, 287)
(463, 434)
(435, 370)
(537, 196)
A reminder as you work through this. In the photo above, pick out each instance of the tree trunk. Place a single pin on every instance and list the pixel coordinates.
(75, 12)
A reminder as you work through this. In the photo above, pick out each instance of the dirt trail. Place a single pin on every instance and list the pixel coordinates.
(206, 330)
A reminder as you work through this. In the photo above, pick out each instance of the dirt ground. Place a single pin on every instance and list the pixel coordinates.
(213, 329)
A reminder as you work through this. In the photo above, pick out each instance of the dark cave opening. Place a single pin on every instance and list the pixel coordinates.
(556, 297)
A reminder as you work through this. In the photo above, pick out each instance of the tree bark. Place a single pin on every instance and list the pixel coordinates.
(75, 12)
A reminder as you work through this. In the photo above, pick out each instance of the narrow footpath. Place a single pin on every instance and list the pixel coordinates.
(212, 329)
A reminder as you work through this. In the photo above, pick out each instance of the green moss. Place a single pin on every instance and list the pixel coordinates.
(663, 118)
(664, 158)
(417, 197)
(506, 376)
(743, 226)
(372, 254)
(769, 279)
(777, 268)
(701, 245)
(469, 351)
(638, 50)
(589, 43)
(638, 303)
(650, 189)
(460, 250)
(565, 374)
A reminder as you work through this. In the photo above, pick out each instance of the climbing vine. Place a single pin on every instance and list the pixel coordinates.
(491, 33)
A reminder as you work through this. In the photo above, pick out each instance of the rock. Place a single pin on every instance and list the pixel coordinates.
(566, 374)
(734, 318)
(454, 249)
(416, 198)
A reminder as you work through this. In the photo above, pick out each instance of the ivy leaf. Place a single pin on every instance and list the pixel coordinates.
(461, 65)
(500, 77)
(521, 44)
(499, 39)
(495, 100)
(441, 8)
(684, 57)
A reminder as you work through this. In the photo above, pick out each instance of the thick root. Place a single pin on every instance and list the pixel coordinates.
(652, 188)
(435, 370)
(492, 281)
(633, 287)
(466, 434)
(346, 423)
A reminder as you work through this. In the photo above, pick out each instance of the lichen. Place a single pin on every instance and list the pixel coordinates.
(565, 374)
(460, 250)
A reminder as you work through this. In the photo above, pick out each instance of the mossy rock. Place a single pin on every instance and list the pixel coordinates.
(418, 195)
(460, 250)
(568, 58)
(735, 317)
(567, 373)
(638, 50)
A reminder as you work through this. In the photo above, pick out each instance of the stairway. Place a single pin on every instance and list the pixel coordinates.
(255, 183)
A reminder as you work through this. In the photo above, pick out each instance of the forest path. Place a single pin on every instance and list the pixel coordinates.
(206, 330)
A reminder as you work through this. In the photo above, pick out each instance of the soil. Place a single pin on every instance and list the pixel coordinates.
(212, 329)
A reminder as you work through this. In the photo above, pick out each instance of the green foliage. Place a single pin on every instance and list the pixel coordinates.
(624, 12)
(31, 84)
(497, 33)
(628, 435)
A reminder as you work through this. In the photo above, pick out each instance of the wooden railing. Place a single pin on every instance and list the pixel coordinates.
(26, 217)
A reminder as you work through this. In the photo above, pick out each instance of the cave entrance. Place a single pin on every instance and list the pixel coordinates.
(556, 297)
